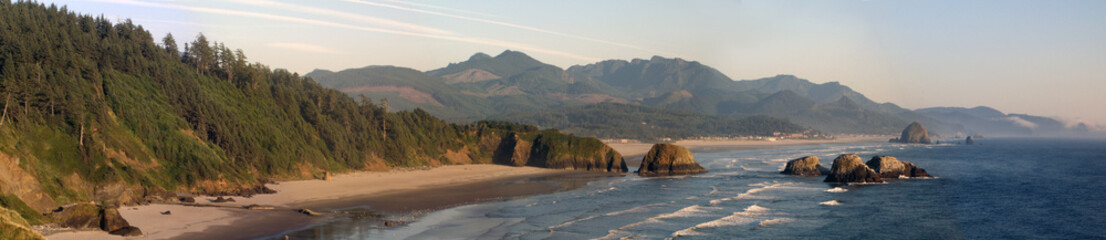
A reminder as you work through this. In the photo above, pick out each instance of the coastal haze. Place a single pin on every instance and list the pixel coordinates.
(395, 119)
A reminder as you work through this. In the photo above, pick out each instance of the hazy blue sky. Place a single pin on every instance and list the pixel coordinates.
(1039, 57)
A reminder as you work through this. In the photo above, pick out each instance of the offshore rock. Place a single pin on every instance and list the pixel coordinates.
(549, 150)
(969, 141)
(668, 159)
(914, 133)
(805, 166)
(849, 168)
(891, 167)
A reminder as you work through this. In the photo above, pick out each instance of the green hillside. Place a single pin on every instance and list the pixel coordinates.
(98, 111)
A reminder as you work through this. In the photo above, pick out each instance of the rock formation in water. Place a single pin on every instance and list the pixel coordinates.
(914, 133)
(547, 150)
(969, 141)
(849, 168)
(91, 216)
(668, 159)
(805, 166)
(891, 167)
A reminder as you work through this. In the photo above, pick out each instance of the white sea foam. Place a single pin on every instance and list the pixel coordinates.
(837, 190)
(751, 215)
(830, 203)
(615, 213)
(689, 211)
(774, 221)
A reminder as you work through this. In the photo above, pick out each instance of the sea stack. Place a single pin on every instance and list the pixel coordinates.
(805, 166)
(891, 167)
(969, 141)
(667, 160)
(849, 168)
(914, 133)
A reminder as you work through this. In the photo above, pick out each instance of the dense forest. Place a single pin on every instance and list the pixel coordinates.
(612, 120)
(92, 110)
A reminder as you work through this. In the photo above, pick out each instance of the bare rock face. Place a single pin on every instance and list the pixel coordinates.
(891, 167)
(551, 151)
(914, 133)
(110, 220)
(805, 166)
(849, 168)
(669, 159)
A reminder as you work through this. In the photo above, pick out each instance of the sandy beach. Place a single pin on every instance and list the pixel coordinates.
(397, 190)
(401, 190)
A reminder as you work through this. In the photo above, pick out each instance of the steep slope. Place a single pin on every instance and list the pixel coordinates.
(99, 112)
(656, 76)
(406, 89)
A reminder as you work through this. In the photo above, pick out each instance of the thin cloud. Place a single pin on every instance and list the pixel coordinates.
(423, 5)
(501, 23)
(346, 15)
(303, 47)
(482, 41)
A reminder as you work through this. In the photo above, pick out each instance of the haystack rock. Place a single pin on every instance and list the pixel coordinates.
(805, 166)
(891, 167)
(849, 168)
(668, 159)
(914, 133)
(969, 141)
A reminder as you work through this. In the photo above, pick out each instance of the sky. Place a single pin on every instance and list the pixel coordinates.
(1042, 57)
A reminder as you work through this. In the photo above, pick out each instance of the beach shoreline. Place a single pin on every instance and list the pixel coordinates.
(396, 191)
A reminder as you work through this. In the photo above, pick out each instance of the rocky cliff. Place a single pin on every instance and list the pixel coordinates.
(849, 168)
(550, 149)
(805, 166)
(891, 167)
(914, 133)
(668, 159)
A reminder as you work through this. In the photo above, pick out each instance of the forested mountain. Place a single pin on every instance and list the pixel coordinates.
(989, 121)
(613, 120)
(98, 111)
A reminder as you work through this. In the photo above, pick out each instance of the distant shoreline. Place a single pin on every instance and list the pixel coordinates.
(635, 150)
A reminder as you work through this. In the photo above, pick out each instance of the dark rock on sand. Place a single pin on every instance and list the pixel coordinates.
(258, 207)
(166, 213)
(128, 231)
(914, 133)
(110, 220)
(668, 159)
(849, 168)
(805, 166)
(187, 199)
(221, 199)
(891, 167)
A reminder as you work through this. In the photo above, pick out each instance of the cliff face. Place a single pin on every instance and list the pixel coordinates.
(805, 166)
(891, 167)
(551, 149)
(914, 133)
(849, 168)
(13, 226)
(668, 159)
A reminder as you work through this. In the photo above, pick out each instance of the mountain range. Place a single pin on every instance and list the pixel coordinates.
(514, 86)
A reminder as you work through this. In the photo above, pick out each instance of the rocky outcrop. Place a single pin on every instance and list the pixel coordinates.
(914, 133)
(91, 216)
(969, 141)
(549, 149)
(805, 166)
(849, 168)
(668, 159)
(891, 167)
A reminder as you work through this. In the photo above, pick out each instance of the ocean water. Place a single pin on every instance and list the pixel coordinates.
(1000, 189)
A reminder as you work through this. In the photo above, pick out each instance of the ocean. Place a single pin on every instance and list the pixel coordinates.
(997, 189)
